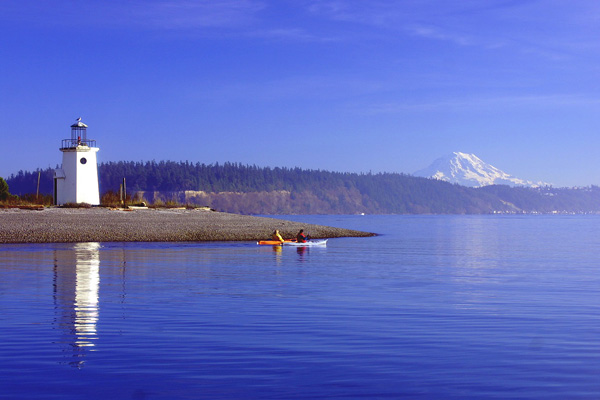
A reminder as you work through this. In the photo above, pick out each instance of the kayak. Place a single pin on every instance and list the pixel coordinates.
(274, 242)
(322, 242)
(289, 242)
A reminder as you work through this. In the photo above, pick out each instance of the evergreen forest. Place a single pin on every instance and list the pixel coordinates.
(248, 189)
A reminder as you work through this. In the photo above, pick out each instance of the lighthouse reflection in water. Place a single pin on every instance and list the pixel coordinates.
(76, 287)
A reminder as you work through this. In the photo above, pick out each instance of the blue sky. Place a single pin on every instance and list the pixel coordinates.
(340, 85)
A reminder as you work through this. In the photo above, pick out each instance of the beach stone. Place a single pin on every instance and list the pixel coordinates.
(99, 224)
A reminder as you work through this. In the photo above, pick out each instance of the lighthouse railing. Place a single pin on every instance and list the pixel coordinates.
(74, 143)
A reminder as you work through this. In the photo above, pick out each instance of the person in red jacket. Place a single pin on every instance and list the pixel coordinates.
(301, 237)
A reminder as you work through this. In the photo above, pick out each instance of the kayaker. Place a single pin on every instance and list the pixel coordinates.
(301, 237)
(277, 236)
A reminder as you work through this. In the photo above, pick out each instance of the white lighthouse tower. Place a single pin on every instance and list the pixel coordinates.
(77, 180)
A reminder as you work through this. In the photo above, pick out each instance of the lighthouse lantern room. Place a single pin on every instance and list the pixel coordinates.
(77, 179)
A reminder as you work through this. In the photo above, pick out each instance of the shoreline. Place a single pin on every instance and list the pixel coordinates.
(97, 224)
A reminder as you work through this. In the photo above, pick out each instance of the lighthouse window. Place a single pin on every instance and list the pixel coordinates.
(83, 160)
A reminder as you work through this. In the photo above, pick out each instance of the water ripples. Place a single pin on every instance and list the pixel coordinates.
(436, 307)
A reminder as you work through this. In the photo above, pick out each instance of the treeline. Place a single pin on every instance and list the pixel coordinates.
(249, 189)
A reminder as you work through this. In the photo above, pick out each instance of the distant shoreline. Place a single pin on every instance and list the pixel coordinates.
(71, 225)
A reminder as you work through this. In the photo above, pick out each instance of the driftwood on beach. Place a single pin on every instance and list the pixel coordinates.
(55, 225)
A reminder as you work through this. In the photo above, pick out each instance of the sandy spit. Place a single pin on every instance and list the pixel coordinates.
(60, 225)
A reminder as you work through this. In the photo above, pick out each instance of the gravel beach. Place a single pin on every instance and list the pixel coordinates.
(97, 224)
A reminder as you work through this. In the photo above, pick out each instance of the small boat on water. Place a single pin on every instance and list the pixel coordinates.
(273, 242)
(289, 242)
(321, 242)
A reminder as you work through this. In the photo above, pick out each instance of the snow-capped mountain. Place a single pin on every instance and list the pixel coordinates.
(470, 170)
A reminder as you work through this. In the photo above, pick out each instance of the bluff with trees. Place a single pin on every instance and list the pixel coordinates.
(249, 189)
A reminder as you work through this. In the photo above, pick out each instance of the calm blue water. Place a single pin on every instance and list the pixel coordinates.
(456, 307)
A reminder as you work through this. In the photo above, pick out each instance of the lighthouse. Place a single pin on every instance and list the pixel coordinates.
(77, 179)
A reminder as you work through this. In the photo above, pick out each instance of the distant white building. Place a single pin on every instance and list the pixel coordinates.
(77, 179)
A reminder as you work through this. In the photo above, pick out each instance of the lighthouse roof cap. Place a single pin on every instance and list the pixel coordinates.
(79, 124)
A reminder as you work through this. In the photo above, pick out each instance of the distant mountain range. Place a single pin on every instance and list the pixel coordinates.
(248, 189)
(469, 170)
